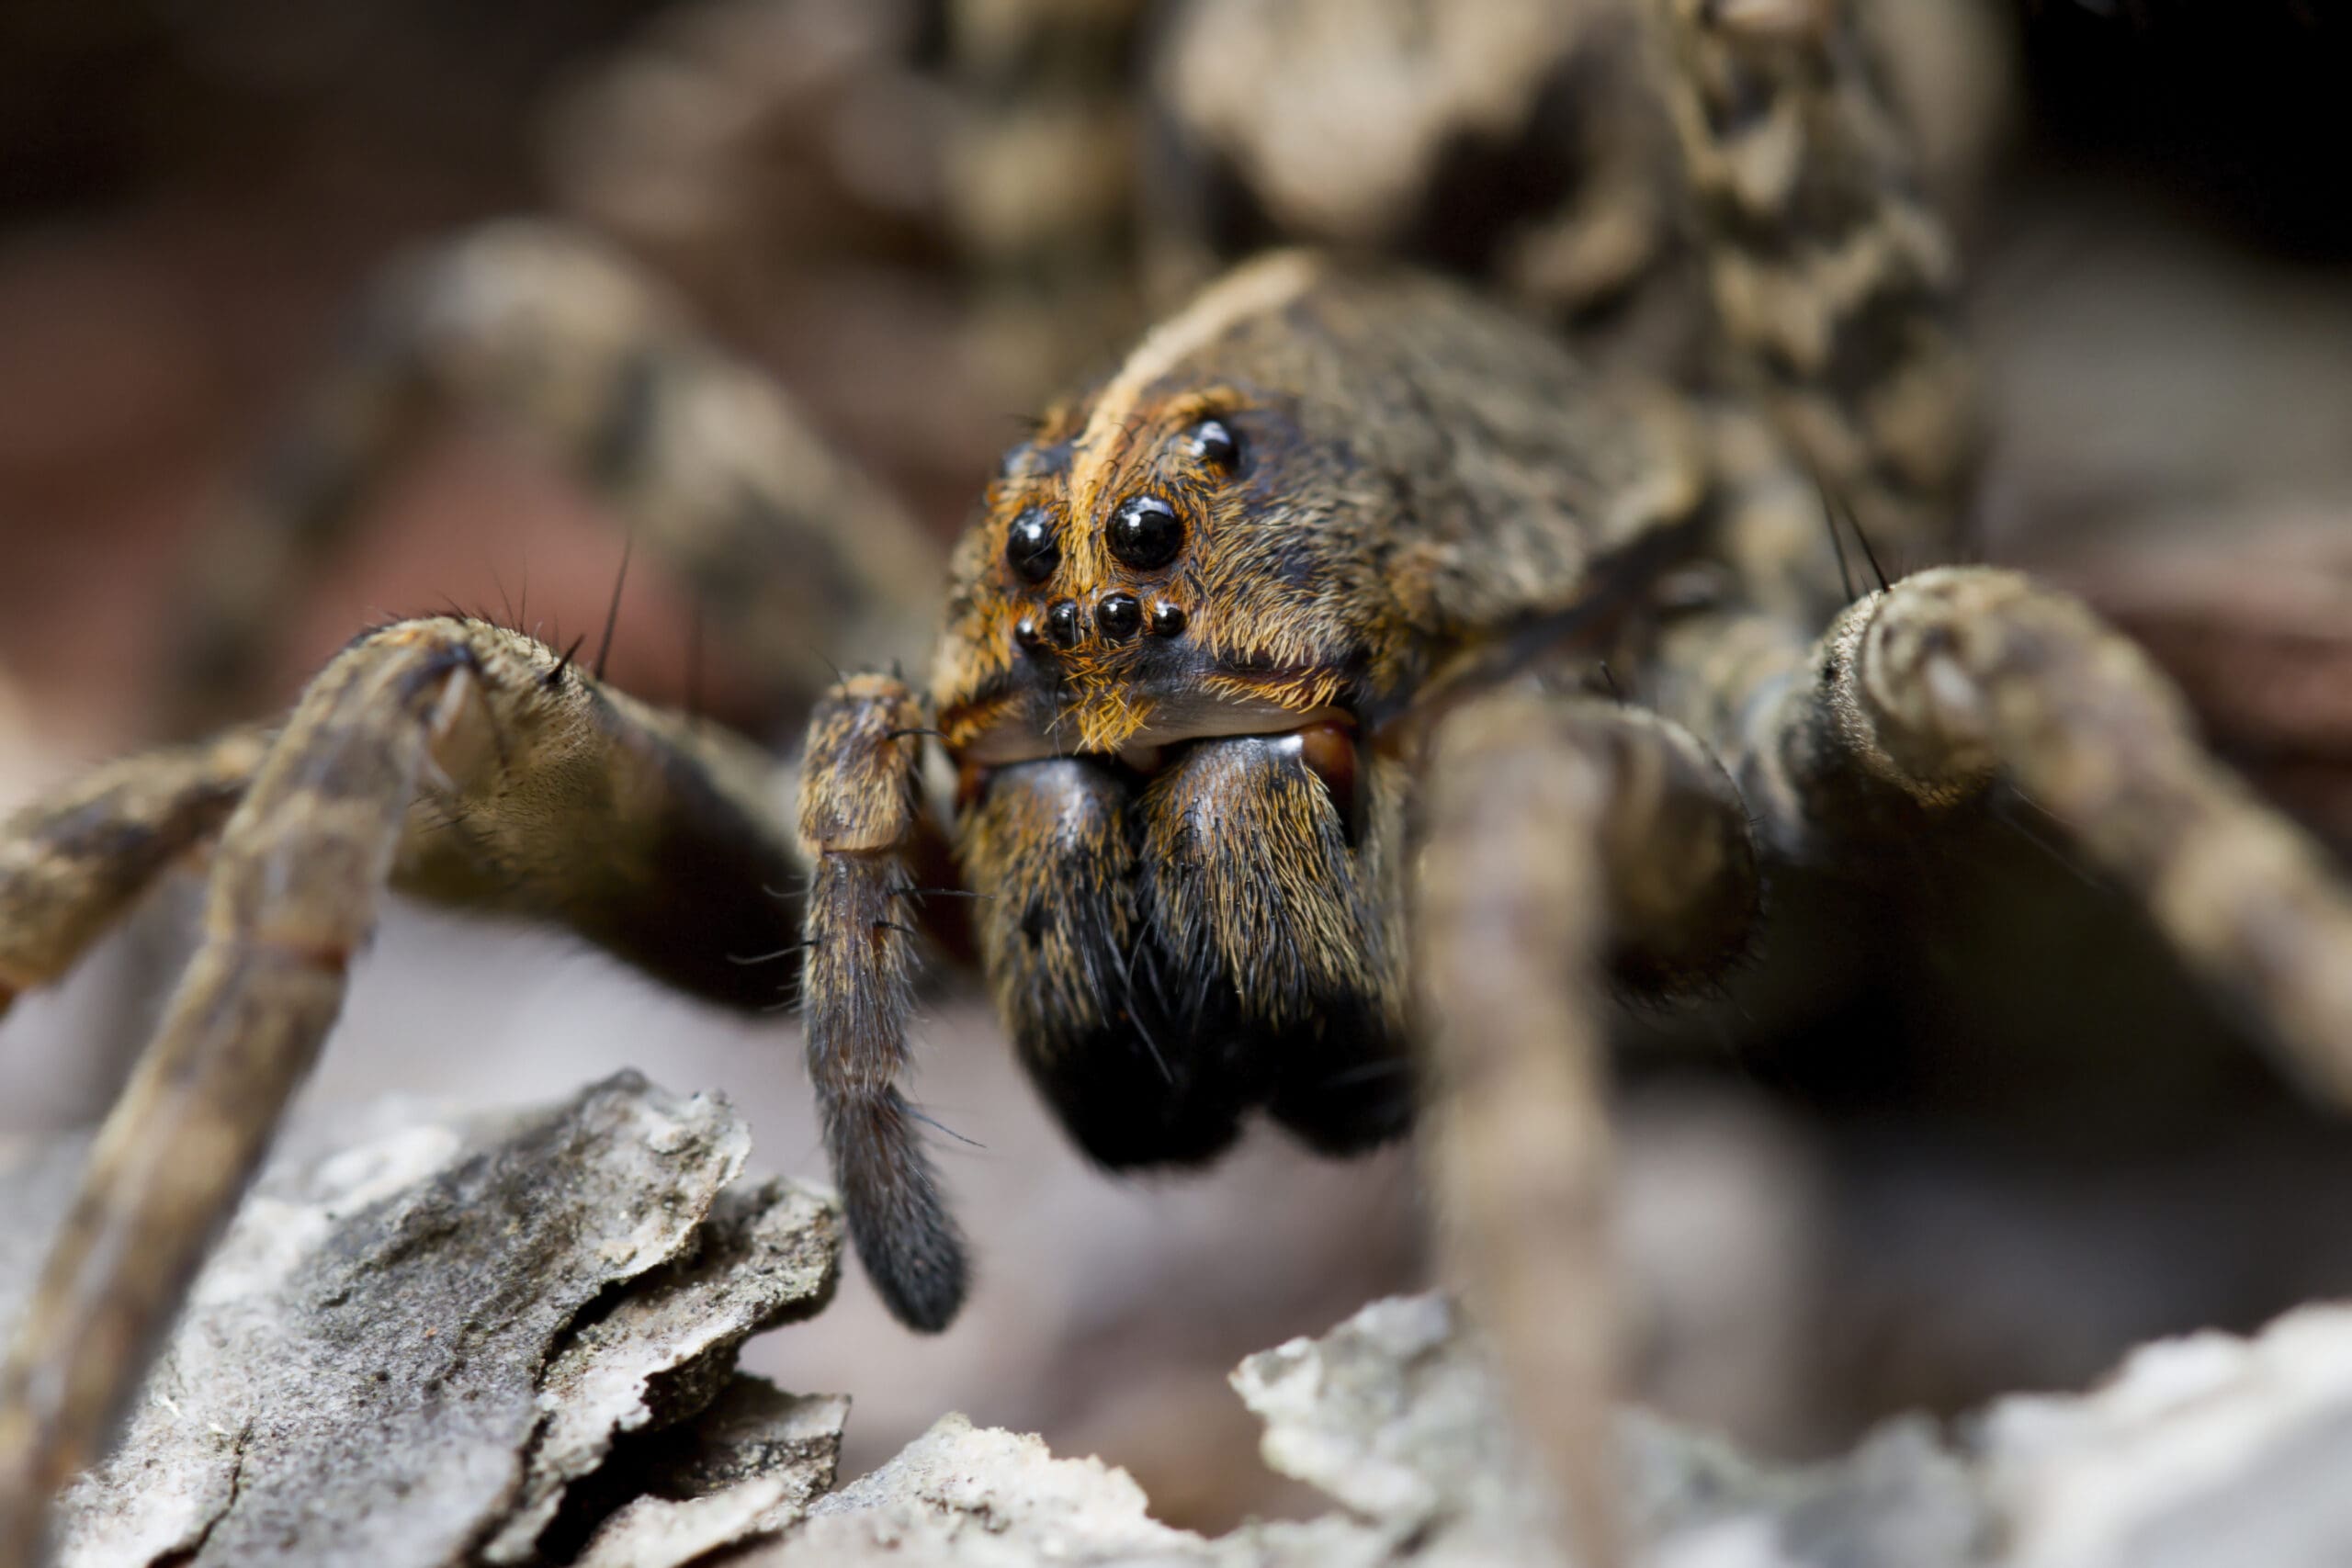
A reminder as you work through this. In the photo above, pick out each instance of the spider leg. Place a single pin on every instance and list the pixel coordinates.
(1920, 697)
(861, 829)
(463, 761)
(75, 863)
(1040, 184)
(789, 549)
(1557, 830)
(1834, 283)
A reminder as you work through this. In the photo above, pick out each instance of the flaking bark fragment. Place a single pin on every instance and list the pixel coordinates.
(768, 1254)
(409, 1346)
(744, 1468)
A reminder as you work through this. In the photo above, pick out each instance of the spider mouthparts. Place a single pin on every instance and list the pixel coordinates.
(1329, 745)
(1326, 744)
(1330, 751)
(1175, 723)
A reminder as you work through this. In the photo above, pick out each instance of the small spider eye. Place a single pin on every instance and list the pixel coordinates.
(1030, 548)
(1212, 441)
(1119, 615)
(1144, 532)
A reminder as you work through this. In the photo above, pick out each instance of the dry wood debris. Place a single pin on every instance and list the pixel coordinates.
(512, 1340)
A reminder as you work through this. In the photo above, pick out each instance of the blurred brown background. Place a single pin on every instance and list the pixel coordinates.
(1823, 1227)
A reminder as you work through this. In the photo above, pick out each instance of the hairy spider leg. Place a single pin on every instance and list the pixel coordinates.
(72, 865)
(1834, 282)
(1919, 698)
(446, 757)
(861, 825)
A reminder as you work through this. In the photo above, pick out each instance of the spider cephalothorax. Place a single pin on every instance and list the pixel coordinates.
(1178, 638)
(1308, 490)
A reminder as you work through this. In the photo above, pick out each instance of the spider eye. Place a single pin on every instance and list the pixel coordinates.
(1030, 548)
(1120, 615)
(1144, 532)
(1212, 441)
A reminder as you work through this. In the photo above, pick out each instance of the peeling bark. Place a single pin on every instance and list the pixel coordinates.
(414, 1347)
(512, 1340)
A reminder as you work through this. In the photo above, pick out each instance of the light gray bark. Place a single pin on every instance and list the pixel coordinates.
(420, 1338)
(512, 1340)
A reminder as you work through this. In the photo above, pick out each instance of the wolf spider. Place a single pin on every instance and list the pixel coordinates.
(1333, 703)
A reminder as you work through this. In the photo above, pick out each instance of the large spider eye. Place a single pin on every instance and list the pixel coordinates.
(1031, 549)
(1144, 532)
(1212, 441)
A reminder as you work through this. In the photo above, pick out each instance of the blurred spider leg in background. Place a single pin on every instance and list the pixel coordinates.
(1040, 184)
(1834, 281)
(1562, 835)
(444, 756)
(76, 863)
(786, 545)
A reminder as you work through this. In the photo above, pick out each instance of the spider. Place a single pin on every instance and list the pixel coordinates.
(1333, 702)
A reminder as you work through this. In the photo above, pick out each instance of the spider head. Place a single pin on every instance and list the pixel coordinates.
(1151, 680)
(1092, 603)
